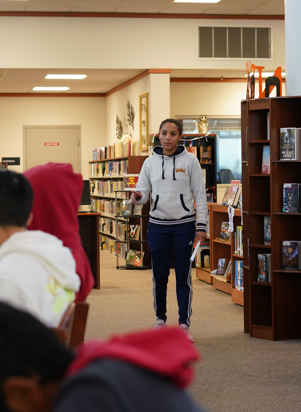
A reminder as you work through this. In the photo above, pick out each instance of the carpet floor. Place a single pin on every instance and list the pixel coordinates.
(236, 374)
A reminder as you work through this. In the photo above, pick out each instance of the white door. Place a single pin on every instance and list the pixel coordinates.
(58, 144)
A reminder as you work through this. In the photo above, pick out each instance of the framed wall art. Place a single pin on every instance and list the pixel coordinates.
(143, 121)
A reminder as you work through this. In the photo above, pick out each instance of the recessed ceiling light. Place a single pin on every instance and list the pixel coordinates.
(50, 89)
(196, 1)
(265, 74)
(66, 76)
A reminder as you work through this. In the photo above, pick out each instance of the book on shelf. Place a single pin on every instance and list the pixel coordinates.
(205, 154)
(224, 233)
(235, 184)
(118, 149)
(238, 276)
(227, 272)
(291, 198)
(221, 266)
(138, 258)
(135, 148)
(238, 244)
(130, 257)
(226, 196)
(265, 164)
(267, 230)
(264, 268)
(127, 207)
(291, 255)
(290, 143)
(138, 210)
(268, 126)
(134, 232)
(236, 201)
(208, 224)
(130, 181)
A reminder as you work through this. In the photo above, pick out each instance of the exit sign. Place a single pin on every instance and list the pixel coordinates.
(51, 144)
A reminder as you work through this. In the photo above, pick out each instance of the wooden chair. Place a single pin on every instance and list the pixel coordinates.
(71, 330)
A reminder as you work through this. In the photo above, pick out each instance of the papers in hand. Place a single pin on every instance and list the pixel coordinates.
(195, 251)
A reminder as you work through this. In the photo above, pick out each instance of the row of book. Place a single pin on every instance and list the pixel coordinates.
(233, 195)
(107, 188)
(109, 245)
(107, 207)
(239, 275)
(238, 241)
(119, 149)
(110, 168)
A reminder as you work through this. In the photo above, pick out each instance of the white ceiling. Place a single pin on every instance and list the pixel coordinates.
(146, 6)
(101, 80)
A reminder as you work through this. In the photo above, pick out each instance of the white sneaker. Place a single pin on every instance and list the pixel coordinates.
(160, 324)
(185, 328)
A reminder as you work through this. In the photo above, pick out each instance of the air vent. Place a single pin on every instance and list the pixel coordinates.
(235, 42)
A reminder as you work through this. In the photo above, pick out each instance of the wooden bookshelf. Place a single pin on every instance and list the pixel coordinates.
(134, 164)
(272, 310)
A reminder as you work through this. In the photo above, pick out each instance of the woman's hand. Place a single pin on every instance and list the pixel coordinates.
(200, 237)
(136, 196)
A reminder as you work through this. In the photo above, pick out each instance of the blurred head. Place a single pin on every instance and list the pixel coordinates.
(16, 197)
(33, 362)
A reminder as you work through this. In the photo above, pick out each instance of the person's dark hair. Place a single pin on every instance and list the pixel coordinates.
(16, 197)
(27, 348)
(178, 123)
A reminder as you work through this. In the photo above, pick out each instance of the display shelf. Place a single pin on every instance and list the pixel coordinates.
(119, 166)
(204, 274)
(272, 310)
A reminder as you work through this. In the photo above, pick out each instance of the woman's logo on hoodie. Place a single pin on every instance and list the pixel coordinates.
(180, 169)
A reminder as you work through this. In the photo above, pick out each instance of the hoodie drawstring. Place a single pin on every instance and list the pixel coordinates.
(174, 168)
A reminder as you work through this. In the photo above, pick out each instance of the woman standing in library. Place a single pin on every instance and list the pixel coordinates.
(175, 179)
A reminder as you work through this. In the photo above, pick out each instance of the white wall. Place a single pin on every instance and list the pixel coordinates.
(158, 88)
(16, 112)
(211, 99)
(58, 42)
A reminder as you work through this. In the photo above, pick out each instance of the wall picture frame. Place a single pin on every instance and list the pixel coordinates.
(143, 121)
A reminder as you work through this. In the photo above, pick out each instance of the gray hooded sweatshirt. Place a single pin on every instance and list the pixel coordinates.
(176, 182)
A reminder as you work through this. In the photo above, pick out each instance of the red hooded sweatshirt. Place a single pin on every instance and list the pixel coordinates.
(167, 352)
(57, 195)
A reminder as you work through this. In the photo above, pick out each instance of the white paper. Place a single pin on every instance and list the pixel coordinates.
(195, 251)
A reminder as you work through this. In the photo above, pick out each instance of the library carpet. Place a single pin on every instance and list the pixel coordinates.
(236, 374)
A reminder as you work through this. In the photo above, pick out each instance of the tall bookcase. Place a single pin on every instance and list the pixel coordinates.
(132, 165)
(272, 310)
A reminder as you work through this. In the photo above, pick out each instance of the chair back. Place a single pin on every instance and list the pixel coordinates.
(71, 330)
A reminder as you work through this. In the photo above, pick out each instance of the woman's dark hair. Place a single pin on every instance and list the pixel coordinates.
(178, 123)
(27, 348)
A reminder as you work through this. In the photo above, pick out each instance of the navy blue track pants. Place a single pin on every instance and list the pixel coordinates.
(161, 238)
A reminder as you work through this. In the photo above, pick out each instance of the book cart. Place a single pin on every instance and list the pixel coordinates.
(272, 310)
(132, 165)
(131, 243)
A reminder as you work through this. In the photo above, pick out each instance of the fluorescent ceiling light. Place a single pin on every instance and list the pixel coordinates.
(196, 1)
(265, 74)
(50, 89)
(66, 76)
